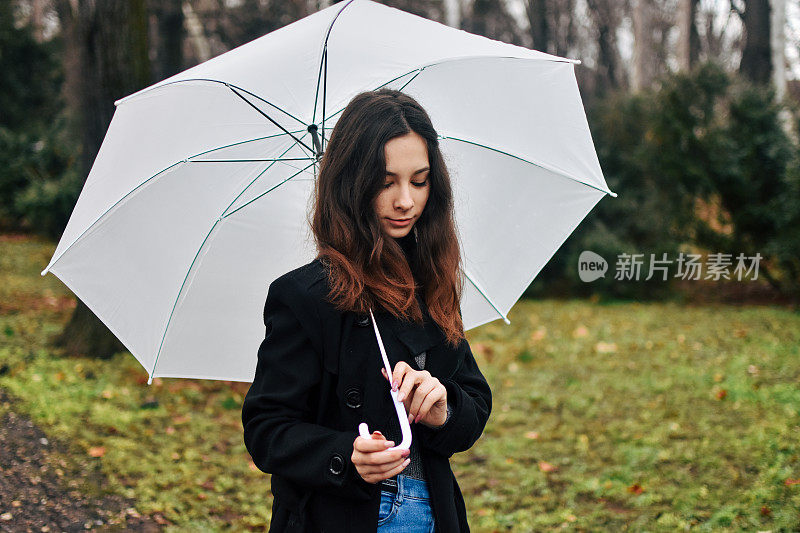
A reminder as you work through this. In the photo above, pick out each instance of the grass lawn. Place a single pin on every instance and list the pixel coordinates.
(606, 417)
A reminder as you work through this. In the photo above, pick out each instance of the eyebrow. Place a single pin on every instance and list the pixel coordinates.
(415, 173)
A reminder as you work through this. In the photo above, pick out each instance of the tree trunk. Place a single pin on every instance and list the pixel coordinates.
(641, 45)
(778, 44)
(756, 64)
(688, 38)
(537, 16)
(452, 13)
(106, 58)
(166, 37)
(606, 22)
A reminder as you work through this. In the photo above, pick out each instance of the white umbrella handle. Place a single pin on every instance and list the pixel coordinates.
(402, 416)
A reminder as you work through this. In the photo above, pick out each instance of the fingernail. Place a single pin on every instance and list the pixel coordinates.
(416, 419)
(405, 463)
(401, 396)
(389, 443)
(406, 453)
(395, 385)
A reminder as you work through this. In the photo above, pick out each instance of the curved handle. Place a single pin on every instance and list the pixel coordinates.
(402, 416)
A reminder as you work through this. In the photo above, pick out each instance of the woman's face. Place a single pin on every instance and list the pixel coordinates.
(406, 184)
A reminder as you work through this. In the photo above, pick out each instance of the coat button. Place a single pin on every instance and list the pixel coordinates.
(363, 320)
(337, 464)
(352, 398)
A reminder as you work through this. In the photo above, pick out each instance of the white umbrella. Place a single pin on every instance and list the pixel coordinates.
(198, 196)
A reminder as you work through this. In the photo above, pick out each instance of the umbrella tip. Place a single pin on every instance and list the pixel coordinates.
(506, 320)
(613, 194)
(43, 272)
(150, 379)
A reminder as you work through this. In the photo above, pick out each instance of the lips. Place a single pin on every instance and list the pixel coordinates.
(399, 222)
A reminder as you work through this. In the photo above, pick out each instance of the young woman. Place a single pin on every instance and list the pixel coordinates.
(385, 233)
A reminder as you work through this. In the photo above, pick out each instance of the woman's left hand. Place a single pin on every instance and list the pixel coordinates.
(424, 396)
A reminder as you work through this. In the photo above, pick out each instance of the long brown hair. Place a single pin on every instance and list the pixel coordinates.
(367, 268)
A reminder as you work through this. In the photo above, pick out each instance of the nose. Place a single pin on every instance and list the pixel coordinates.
(403, 201)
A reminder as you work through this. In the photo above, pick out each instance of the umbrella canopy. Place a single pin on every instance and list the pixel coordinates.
(199, 195)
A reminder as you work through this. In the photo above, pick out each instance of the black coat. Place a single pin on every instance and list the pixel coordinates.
(317, 377)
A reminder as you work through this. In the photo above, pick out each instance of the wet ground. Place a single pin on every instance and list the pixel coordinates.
(41, 490)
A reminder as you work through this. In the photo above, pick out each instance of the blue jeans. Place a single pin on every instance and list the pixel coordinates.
(408, 511)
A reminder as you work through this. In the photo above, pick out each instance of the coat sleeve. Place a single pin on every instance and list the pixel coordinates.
(277, 409)
(470, 399)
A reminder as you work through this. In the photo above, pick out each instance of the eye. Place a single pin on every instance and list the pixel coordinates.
(420, 183)
(387, 184)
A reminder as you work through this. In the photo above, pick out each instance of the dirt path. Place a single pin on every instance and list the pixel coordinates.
(40, 491)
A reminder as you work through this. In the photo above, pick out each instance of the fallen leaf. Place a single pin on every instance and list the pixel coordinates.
(636, 488)
(544, 466)
(97, 451)
(532, 435)
(539, 334)
(605, 347)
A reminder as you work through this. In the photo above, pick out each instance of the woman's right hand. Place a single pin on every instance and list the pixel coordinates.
(374, 462)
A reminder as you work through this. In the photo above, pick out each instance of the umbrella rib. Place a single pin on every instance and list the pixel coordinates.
(200, 249)
(228, 84)
(479, 288)
(268, 117)
(247, 160)
(323, 63)
(185, 160)
(545, 166)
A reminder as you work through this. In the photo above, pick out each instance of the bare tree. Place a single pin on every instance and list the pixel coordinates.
(167, 34)
(452, 13)
(778, 44)
(756, 64)
(688, 48)
(538, 18)
(490, 18)
(605, 15)
(642, 45)
(106, 58)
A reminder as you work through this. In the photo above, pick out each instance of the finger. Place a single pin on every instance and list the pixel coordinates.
(371, 445)
(396, 470)
(381, 458)
(434, 396)
(374, 474)
(400, 370)
(411, 379)
(383, 371)
(377, 435)
(421, 392)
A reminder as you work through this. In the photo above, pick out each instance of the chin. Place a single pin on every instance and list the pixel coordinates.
(398, 233)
